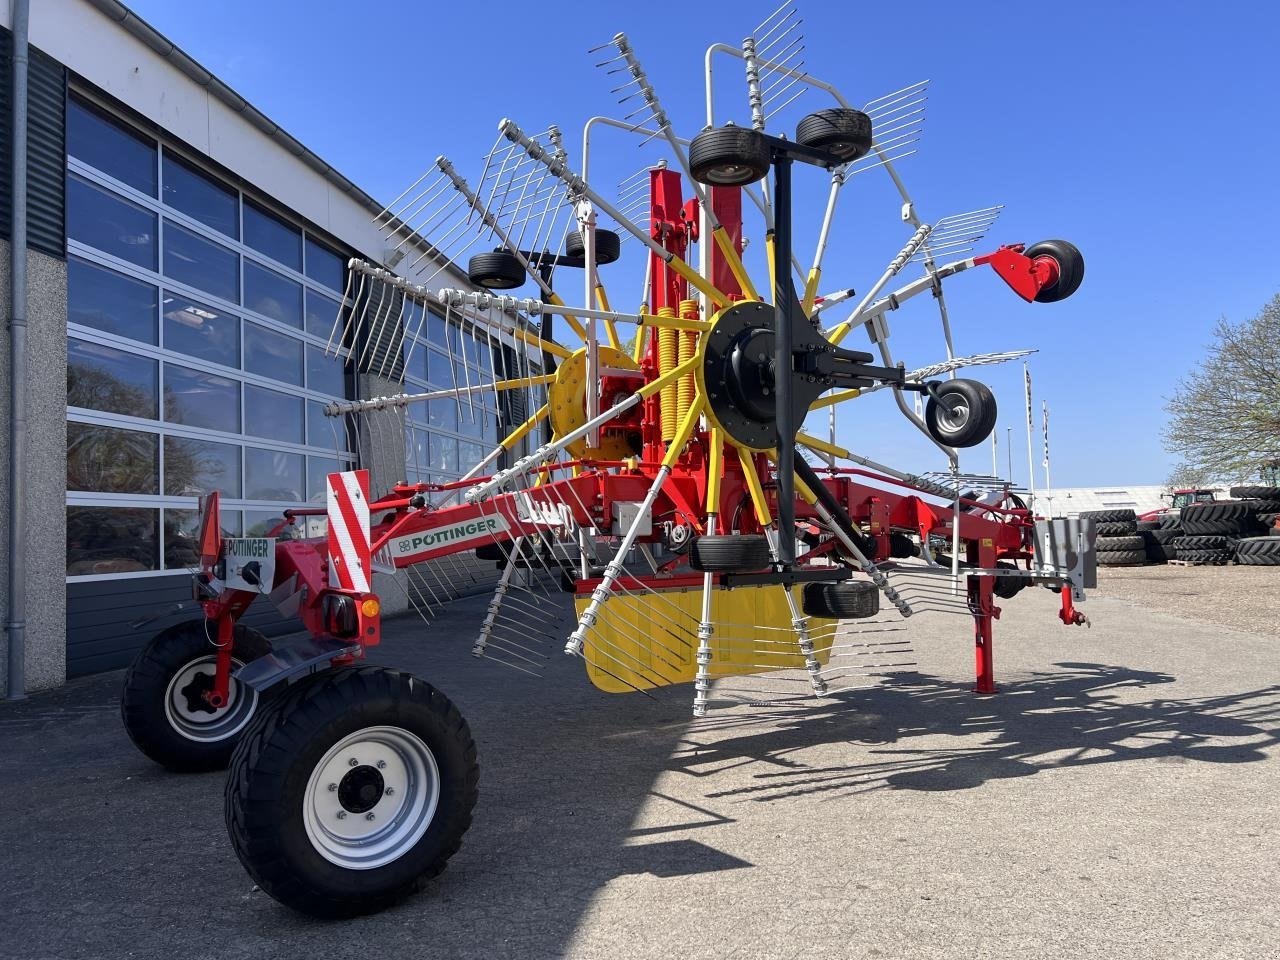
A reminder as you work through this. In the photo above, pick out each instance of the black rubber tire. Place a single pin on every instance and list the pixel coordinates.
(1258, 552)
(1116, 528)
(1122, 558)
(732, 553)
(1006, 588)
(1261, 505)
(1255, 493)
(1114, 544)
(1215, 558)
(1109, 516)
(608, 246)
(844, 600)
(1267, 520)
(1198, 542)
(1171, 521)
(901, 546)
(840, 131)
(1148, 525)
(1217, 510)
(1070, 268)
(972, 407)
(729, 157)
(498, 270)
(144, 697)
(267, 785)
(1166, 535)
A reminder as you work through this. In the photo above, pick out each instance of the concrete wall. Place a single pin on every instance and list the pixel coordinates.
(46, 647)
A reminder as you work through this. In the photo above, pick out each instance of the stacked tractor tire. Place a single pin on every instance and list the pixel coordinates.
(1244, 530)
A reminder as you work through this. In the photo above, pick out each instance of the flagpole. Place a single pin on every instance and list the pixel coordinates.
(995, 453)
(1031, 468)
(1045, 421)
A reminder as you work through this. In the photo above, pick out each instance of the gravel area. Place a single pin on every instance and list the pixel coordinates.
(1239, 597)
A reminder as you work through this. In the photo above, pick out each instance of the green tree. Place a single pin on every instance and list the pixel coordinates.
(1224, 419)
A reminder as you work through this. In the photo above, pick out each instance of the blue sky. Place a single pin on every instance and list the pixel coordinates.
(1143, 132)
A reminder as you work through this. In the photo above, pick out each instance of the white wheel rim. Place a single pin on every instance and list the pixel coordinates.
(195, 720)
(954, 416)
(371, 797)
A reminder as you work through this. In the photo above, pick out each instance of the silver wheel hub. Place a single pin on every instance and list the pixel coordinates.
(954, 415)
(371, 797)
(191, 715)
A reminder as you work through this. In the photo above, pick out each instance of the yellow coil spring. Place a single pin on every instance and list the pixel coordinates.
(686, 386)
(668, 353)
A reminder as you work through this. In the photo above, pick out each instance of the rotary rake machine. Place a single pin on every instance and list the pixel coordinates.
(666, 481)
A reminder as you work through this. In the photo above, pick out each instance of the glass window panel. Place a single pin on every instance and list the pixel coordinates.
(109, 223)
(439, 369)
(186, 523)
(201, 399)
(272, 415)
(110, 301)
(272, 295)
(436, 330)
(110, 460)
(324, 266)
(103, 378)
(444, 454)
(272, 475)
(322, 431)
(322, 312)
(198, 195)
(199, 330)
(471, 423)
(271, 354)
(259, 523)
(112, 540)
(193, 468)
(469, 454)
(110, 147)
(324, 374)
(269, 235)
(318, 468)
(443, 414)
(417, 453)
(205, 265)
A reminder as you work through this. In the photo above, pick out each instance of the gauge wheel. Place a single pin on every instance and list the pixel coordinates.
(960, 413)
(728, 157)
(351, 791)
(162, 702)
(498, 270)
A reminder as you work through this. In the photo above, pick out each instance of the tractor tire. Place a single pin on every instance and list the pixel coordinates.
(734, 553)
(608, 246)
(1258, 552)
(1261, 505)
(1122, 558)
(1166, 535)
(1114, 544)
(1213, 558)
(846, 600)
(161, 706)
(1197, 543)
(844, 133)
(1171, 521)
(1268, 522)
(351, 791)
(1109, 516)
(1158, 552)
(1148, 525)
(498, 270)
(1222, 518)
(962, 414)
(1116, 528)
(1255, 493)
(1070, 268)
(729, 157)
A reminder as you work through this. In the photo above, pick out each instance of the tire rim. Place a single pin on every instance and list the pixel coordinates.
(953, 415)
(371, 797)
(194, 718)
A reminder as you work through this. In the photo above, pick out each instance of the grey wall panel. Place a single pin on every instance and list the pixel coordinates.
(99, 614)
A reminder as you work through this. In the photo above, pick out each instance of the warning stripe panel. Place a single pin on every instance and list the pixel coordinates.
(347, 505)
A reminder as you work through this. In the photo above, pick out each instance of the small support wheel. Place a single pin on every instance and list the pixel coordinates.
(351, 791)
(960, 413)
(728, 157)
(733, 553)
(498, 270)
(846, 600)
(844, 133)
(1070, 268)
(608, 246)
(162, 703)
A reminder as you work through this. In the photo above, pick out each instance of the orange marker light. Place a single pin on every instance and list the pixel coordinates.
(370, 607)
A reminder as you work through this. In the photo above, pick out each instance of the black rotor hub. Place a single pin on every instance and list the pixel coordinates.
(360, 789)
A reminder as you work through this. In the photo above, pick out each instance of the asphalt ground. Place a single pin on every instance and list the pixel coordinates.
(1118, 798)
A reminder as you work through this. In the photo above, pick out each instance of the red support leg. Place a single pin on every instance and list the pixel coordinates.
(221, 691)
(981, 591)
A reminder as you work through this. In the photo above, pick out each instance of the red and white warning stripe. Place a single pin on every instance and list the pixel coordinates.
(348, 509)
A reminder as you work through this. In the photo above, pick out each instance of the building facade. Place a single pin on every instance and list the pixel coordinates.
(187, 276)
